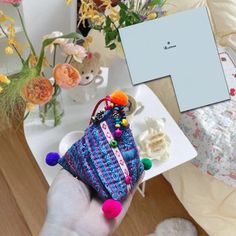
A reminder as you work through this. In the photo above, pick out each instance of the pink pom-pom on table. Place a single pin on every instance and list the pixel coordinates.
(111, 208)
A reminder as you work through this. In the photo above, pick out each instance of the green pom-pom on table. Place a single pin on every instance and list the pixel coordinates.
(147, 163)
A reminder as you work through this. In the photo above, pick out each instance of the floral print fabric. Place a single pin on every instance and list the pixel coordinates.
(212, 131)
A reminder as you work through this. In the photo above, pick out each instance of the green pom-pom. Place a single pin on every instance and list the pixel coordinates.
(147, 163)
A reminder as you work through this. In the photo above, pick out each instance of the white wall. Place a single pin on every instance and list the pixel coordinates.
(44, 16)
(41, 18)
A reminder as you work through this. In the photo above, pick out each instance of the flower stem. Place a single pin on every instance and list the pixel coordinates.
(26, 115)
(55, 112)
(45, 111)
(70, 60)
(18, 53)
(54, 55)
(66, 59)
(25, 32)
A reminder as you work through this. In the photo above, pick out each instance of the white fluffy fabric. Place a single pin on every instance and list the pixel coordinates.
(175, 227)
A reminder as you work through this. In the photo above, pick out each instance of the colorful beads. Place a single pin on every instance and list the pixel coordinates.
(125, 122)
(113, 143)
(128, 180)
(117, 126)
(107, 107)
(118, 133)
(93, 119)
(100, 115)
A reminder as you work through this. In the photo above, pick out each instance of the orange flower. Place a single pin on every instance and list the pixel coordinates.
(66, 76)
(38, 91)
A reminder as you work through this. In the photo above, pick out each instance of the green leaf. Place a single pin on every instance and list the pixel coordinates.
(97, 27)
(112, 46)
(123, 6)
(107, 38)
(110, 36)
(47, 42)
(121, 21)
(154, 3)
(113, 34)
(73, 35)
(136, 16)
(108, 22)
(123, 14)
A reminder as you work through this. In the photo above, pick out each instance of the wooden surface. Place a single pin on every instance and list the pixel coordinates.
(23, 187)
(159, 203)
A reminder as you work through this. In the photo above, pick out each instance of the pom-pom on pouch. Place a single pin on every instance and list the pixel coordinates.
(106, 157)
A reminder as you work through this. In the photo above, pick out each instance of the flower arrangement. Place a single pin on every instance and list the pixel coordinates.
(31, 87)
(108, 16)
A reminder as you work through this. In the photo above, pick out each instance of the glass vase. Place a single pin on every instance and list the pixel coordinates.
(52, 112)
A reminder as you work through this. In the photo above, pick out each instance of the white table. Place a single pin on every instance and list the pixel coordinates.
(42, 139)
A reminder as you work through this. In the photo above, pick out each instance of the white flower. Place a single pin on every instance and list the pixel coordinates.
(78, 52)
(59, 41)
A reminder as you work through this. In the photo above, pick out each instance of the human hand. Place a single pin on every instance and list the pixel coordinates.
(73, 211)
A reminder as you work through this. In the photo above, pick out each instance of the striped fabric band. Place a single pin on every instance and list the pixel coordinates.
(116, 151)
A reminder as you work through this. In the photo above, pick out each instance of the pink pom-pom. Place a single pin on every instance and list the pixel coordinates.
(111, 208)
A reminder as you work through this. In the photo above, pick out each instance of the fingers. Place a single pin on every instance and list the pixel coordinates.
(126, 203)
(67, 183)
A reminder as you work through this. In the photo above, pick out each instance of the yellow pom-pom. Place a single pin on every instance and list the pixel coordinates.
(117, 125)
(124, 122)
(119, 98)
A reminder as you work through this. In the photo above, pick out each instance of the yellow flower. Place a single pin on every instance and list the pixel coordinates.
(33, 60)
(12, 42)
(87, 11)
(20, 48)
(98, 19)
(4, 17)
(68, 2)
(107, 3)
(114, 15)
(4, 79)
(87, 41)
(9, 50)
(1, 89)
(30, 106)
(152, 16)
(11, 31)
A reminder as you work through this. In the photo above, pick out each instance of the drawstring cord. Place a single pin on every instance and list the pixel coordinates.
(106, 99)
